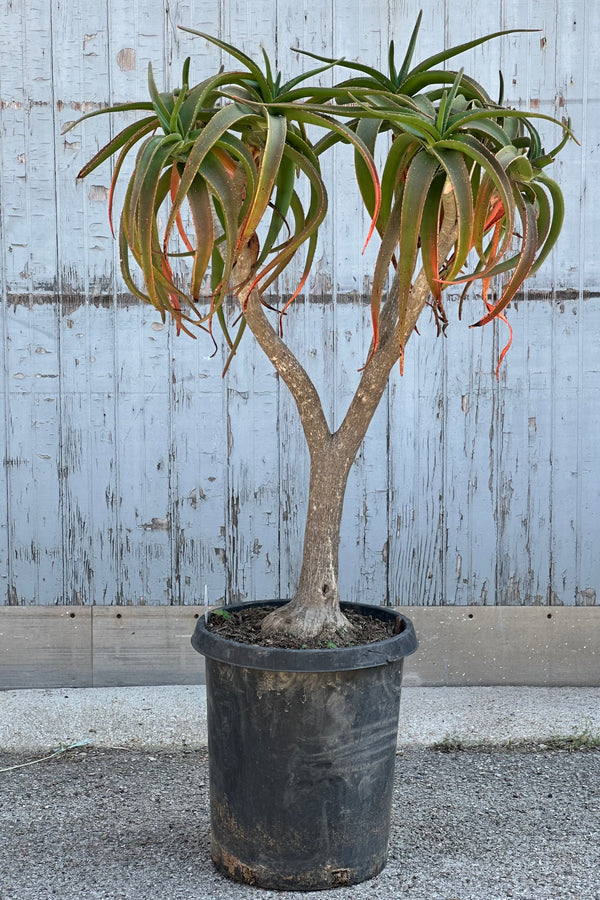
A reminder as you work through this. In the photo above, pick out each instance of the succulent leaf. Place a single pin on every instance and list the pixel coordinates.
(234, 147)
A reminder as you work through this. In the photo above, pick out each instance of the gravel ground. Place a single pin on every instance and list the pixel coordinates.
(471, 824)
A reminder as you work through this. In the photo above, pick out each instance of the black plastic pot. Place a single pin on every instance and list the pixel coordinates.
(302, 747)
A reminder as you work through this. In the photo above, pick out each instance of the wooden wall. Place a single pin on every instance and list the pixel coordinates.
(135, 474)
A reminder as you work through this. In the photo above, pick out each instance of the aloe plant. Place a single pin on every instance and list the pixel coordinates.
(461, 197)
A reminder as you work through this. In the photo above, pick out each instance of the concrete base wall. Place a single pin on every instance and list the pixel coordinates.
(117, 646)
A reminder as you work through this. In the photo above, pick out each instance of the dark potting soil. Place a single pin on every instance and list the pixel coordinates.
(243, 626)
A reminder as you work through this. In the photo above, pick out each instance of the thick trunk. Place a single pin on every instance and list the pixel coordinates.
(314, 612)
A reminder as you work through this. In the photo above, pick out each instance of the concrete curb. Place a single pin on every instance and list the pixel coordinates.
(174, 717)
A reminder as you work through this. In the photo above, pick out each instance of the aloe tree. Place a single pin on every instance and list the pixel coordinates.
(461, 197)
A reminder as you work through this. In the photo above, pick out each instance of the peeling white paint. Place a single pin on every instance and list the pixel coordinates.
(478, 491)
(126, 59)
(98, 193)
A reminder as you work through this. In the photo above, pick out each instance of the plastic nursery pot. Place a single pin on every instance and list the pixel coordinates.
(302, 746)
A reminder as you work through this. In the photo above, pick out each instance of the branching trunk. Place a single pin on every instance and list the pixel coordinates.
(314, 612)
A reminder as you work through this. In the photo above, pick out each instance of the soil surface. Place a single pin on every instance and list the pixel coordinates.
(244, 626)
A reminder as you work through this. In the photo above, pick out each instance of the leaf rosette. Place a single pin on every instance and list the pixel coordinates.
(234, 152)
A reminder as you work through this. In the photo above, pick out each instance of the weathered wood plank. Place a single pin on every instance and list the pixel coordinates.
(417, 424)
(28, 182)
(589, 490)
(79, 46)
(538, 374)
(33, 456)
(458, 646)
(566, 449)
(45, 647)
(364, 544)
(469, 499)
(253, 490)
(504, 645)
(88, 472)
(514, 484)
(404, 586)
(145, 646)
(5, 503)
(30, 225)
(5, 507)
(198, 483)
(143, 430)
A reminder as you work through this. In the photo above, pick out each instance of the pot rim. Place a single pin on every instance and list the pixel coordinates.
(363, 656)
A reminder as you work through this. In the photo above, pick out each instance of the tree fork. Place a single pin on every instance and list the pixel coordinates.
(314, 612)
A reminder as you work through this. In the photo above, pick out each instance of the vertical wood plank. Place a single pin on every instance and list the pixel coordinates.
(5, 501)
(364, 544)
(86, 314)
(144, 445)
(90, 499)
(33, 463)
(28, 182)
(538, 372)
(198, 473)
(471, 451)
(33, 456)
(253, 478)
(566, 449)
(198, 481)
(253, 487)
(571, 29)
(588, 499)
(142, 357)
(206, 57)
(416, 466)
(294, 29)
(587, 582)
(513, 570)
